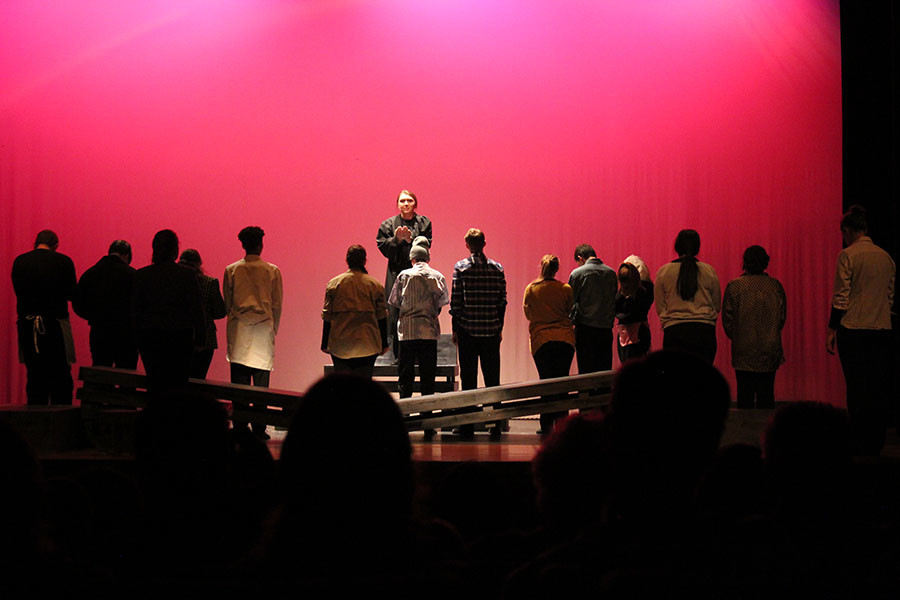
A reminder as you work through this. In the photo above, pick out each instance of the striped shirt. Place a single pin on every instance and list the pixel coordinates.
(478, 300)
(419, 293)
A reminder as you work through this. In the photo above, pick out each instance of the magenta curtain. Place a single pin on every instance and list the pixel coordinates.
(545, 124)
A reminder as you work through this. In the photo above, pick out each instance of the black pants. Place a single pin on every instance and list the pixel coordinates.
(166, 355)
(593, 346)
(423, 352)
(245, 375)
(471, 349)
(200, 361)
(113, 346)
(866, 361)
(49, 376)
(553, 359)
(698, 339)
(363, 366)
(755, 390)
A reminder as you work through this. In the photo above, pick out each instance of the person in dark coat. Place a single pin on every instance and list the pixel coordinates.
(395, 239)
(103, 298)
(213, 308)
(168, 315)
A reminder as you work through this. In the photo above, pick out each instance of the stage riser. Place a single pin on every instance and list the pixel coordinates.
(48, 429)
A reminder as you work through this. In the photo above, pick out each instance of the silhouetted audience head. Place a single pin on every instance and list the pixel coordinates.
(571, 473)
(356, 258)
(345, 463)
(756, 260)
(549, 266)
(475, 240)
(734, 486)
(808, 451)
(165, 246)
(122, 249)
(584, 251)
(666, 419)
(47, 238)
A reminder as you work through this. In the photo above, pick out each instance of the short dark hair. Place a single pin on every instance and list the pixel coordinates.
(475, 239)
(120, 247)
(251, 237)
(855, 219)
(165, 246)
(584, 251)
(191, 258)
(47, 238)
(755, 260)
(356, 257)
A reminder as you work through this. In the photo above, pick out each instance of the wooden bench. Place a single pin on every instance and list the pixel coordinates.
(107, 388)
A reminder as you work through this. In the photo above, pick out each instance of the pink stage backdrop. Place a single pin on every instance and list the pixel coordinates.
(545, 124)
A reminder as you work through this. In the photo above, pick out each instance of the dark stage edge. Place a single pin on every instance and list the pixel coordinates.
(519, 445)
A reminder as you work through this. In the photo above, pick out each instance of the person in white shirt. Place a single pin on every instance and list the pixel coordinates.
(252, 290)
(860, 327)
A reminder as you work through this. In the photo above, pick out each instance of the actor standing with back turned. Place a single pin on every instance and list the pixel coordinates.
(418, 294)
(44, 282)
(594, 286)
(478, 308)
(252, 290)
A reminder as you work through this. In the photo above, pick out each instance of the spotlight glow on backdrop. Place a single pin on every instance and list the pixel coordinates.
(545, 124)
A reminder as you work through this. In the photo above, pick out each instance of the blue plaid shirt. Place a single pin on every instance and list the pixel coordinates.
(478, 299)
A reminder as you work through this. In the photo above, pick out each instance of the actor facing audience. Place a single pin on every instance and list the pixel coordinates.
(103, 298)
(860, 326)
(547, 305)
(354, 327)
(395, 239)
(594, 310)
(688, 300)
(418, 294)
(168, 315)
(478, 308)
(44, 283)
(753, 314)
(253, 298)
(213, 308)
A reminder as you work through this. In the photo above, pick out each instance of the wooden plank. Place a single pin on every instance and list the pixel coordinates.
(488, 414)
(447, 372)
(461, 399)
